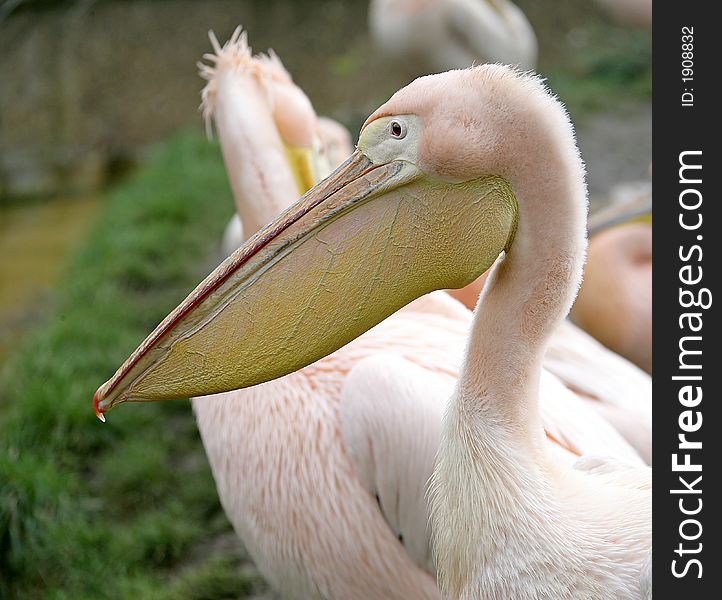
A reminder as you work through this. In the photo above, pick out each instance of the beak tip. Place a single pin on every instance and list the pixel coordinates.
(96, 408)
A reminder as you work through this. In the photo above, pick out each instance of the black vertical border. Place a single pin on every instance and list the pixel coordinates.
(676, 129)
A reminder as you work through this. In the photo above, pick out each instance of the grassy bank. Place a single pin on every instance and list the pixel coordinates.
(612, 66)
(126, 509)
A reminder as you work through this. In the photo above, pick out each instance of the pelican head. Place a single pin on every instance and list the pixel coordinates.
(260, 112)
(233, 65)
(425, 202)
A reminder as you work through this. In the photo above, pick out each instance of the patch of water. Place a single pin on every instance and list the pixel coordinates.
(35, 240)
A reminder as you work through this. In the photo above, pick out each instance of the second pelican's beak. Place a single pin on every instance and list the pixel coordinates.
(305, 166)
(358, 246)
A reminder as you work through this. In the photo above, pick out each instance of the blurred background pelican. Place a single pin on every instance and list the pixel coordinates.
(439, 35)
(112, 205)
(271, 139)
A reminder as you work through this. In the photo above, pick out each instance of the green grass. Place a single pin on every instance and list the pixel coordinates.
(612, 66)
(117, 510)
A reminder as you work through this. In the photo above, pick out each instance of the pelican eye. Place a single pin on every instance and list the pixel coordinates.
(397, 130)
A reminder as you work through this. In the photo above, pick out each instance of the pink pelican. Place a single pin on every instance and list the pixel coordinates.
(277, 126)
(322, 469)
(453, 34)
